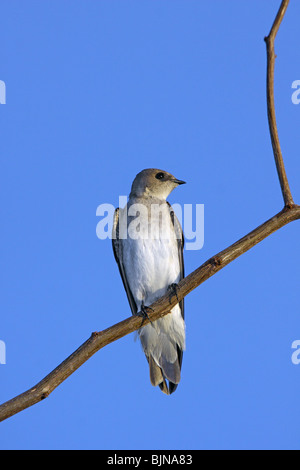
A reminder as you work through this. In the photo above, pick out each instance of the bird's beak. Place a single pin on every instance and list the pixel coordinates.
(178, 181)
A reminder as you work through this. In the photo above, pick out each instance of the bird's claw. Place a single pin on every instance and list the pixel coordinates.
(173, 288)
(143, 312)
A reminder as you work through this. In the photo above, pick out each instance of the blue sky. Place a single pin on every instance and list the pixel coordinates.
(95, 92)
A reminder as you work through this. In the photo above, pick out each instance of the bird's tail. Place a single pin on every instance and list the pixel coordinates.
(159, 375)
(163, 343)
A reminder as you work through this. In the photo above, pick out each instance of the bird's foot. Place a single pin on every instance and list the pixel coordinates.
(173, 288)
(143, 312)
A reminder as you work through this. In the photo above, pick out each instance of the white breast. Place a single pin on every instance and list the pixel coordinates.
(151, 262)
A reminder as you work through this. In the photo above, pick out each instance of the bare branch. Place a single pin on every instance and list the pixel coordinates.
(160, 308)
(285, 188)
(163, 306)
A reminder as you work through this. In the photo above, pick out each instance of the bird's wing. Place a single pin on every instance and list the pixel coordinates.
(117, 248)
(180, 245)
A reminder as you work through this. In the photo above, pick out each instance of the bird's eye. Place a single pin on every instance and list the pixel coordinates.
(159, 176)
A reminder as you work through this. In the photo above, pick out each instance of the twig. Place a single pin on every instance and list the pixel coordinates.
(270, 40)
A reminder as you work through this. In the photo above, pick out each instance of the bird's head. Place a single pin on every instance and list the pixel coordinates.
(154, 183)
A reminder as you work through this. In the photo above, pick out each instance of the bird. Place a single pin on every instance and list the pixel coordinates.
(148, 244)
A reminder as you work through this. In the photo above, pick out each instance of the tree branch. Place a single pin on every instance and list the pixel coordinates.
(163, 306)
(270, 40)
